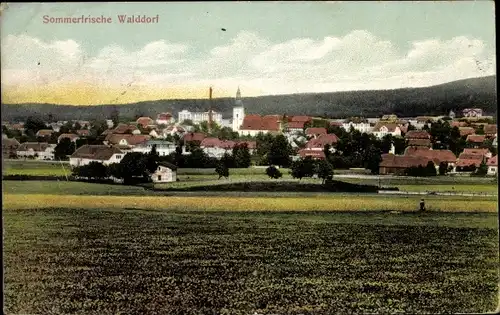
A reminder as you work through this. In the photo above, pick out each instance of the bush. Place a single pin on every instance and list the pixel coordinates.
(273, 172)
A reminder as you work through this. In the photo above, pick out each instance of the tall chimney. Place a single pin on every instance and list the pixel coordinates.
(210, 112)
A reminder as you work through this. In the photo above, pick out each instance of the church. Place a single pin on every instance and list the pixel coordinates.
(251, 125)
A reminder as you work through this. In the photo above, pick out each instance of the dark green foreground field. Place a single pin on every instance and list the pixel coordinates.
(132, 261)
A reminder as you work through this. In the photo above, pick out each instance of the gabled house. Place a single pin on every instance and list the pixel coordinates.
(172, 130)
(255, 124)
(163, 148)
(458, 124)
(472, 112)
(315, 154)
(297, 123)
(476, 140)
(125, 141)
(165, 119)
(124, 129)
(37, 150)
(418, 138)
(490, 130)
(436, 156)
(315, 132)
(465, 131)
(165, 173)
(492, 164)
(483, 151)
(215, 147)
(71, 136)
(397, 164)
(319, 143)
(145, 121)
(104, 154)
(359, 125)
(382, 129)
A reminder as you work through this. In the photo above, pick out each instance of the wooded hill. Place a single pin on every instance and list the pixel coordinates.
(434, 100)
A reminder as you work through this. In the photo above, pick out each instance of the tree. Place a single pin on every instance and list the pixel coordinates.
(152, 160)
(273, 172)
(482, 170)
(280, 151)
(93, 170)
(430, 169)
(241, 156)
(222, 170)
(33, 124)
(324, 170)
(443, 168)
(64, 148)
(373, 157)
(303, 168)
(326, 150)
(134, 167)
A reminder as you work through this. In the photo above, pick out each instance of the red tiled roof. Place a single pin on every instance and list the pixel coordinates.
(456, 123)
(476, 138)
(193, 136)
(465, 131)
(322, 140)
(95, 152)
(437, 156)
(131, 139)
(123, 128)
(417, 134)
(210, 142)
(164, 116)
(316, 131)
(403, 161)
(419, 142)
(296, 124)
(144, 121)
(468, 162)
(256, 122)
(493, 161)
(476, 151)
(317, 154)
(250, 144)
(336, 123)
(302, 119)
(17, 126)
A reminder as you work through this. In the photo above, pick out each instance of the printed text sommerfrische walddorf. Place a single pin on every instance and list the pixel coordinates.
(123, 19)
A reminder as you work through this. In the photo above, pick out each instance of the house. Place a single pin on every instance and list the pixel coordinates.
(9, 147)
(37, 150)
(484, 152)
(126, 128)
(83, 132)
(315, 154)
(165, 173)
(56, 126)
(172, 130)
(193, 136)
(436, 156)
(198, 117)
(163, 148)
(164, 119)
(472, 112)
(319, 143)
(382, 129)
(72, 137)
(251, 145)
(458, 124)
(110, 123)
(360, 125)
(145, 121)
(19, 127)
(492, 164)
(465, 161)
(315, 132)
(44, 132)
(297, 123)
(452, 114)
(215, 147)
(255, 124)
(475, 140)
(418, 138)
(104, 154)
(490, 130)
(397, 164)
(465, 131)
(389, 118)
(125, 141)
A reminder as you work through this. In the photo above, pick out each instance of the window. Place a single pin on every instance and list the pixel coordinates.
(159, 177)
(118, 156)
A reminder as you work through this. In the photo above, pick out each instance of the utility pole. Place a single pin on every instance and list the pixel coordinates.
(210, 112)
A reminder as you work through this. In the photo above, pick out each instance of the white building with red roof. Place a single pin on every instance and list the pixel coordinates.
(492, 164)
(255, 124)
(164, 119)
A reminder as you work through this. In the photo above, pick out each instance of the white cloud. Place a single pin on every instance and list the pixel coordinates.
(358, 60)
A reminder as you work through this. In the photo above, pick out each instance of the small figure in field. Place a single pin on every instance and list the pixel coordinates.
(422, 205)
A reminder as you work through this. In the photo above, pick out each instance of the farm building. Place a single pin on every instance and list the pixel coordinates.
(96, 153)
(37, 150)
(436, 156)
(165, 173)
(397, 164)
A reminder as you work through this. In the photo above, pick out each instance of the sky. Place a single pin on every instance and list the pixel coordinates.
(265, 49)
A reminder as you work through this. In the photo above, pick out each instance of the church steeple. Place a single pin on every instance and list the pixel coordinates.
(238, 94)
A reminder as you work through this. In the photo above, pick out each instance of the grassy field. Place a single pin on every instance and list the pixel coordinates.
(22, 167)
(69, 260)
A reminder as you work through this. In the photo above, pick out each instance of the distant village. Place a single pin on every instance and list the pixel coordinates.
(412, 141)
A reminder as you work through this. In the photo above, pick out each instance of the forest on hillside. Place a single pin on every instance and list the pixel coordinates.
(434, 100)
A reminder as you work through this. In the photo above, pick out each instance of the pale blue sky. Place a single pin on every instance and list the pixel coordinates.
(379, 35)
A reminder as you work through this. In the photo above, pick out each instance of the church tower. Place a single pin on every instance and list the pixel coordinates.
(238, 111)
